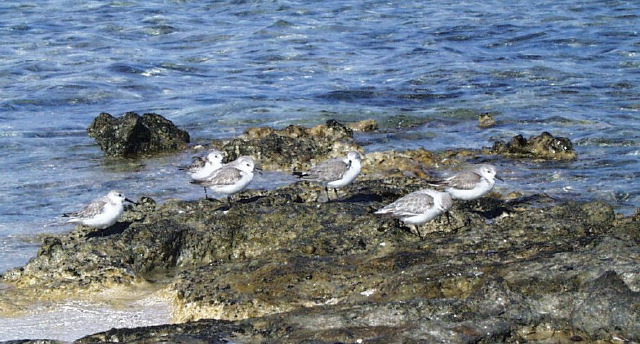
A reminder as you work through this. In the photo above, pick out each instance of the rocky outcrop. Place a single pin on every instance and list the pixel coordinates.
(492, 314)
(544, 146)
(133, 135)
(293, 147)
(296, 148)
(280, 267)
(276, 267)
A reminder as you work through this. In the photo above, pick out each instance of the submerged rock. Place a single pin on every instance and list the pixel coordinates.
(544, 146)
(276, 267)
(366, 125)
(486, 120)
(133, 135)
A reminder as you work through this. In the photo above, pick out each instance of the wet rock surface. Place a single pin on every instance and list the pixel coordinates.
(294, 147)
(486, 120)
(544, 146)
(279, 266)
(132, 135)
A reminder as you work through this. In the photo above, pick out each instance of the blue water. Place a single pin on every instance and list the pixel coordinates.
(216, 68)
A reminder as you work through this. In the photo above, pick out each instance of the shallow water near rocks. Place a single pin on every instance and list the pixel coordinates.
(423, 70)
(70, 319)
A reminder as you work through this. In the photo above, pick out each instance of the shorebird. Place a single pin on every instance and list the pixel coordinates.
(334, 173)
(203, 167)
(102, 212)
(418, 207)
(230, 178)
(471, 184)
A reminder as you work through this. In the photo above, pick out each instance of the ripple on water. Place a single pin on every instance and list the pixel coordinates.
(72, 319)
(423, 70)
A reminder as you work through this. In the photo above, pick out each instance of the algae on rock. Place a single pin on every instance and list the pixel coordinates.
(133, 135)
(280, 268)
(544, 146)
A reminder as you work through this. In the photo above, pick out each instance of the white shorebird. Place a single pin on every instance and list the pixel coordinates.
(230, 178)
(334, 173)
(102, 212)
(418, 207)
(469, 185)
(202, 168)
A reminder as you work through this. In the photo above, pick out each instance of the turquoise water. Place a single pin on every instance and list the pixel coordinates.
(217, 68)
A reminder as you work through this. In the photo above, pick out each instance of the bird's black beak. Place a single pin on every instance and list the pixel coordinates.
(130, 201)
(258, 169)
(500, 179)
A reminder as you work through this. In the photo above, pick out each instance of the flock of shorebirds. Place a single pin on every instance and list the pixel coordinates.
(413, 209)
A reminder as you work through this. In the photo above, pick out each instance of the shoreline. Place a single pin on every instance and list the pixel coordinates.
(274, 276)
(66, 319)
(284, 265)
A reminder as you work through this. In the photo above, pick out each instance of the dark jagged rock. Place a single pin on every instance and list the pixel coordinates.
(293, 147)
(133, 135)
(616, 307)
(280, 267)
(544, 146)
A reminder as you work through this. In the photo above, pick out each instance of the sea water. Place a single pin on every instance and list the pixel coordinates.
(423, 69)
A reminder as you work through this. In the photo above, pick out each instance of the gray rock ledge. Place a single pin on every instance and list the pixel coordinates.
(280, 267)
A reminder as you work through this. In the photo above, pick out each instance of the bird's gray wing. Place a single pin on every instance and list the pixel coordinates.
(329, 170)
(195, 165)
(463, 180)
(92, 209)
(409, 205)
(223, 176)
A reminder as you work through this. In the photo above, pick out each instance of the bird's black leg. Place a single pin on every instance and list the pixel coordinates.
(418, 233)
(326, 188)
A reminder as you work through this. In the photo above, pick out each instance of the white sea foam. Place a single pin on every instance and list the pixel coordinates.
(74, 319)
